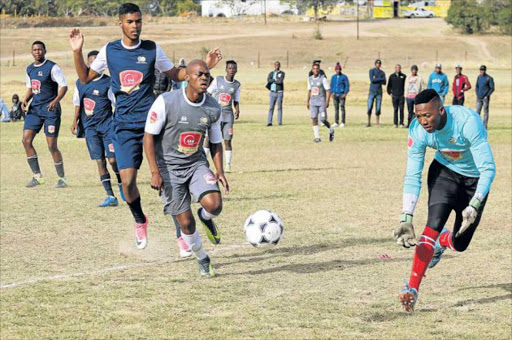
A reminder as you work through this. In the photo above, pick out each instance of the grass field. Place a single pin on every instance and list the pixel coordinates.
(70, 270)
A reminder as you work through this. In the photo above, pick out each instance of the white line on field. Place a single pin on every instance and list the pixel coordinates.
(109, 269)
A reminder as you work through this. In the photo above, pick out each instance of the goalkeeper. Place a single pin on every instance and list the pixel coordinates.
(459, 179)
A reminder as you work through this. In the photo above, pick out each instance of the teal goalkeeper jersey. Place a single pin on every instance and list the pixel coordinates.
(461, 146)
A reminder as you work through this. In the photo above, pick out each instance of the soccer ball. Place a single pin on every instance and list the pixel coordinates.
(263, 228)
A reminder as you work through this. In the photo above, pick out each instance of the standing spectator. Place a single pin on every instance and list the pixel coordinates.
(415, 85)
(439, 82)
(16, 110)
(317, 62)
(377, 79)
(460, 85)
(4, 112)
(484, 89)
(396, 89)
(339, 90)
(162, 83)
(275, 83)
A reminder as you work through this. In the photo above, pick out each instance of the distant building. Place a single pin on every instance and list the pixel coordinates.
(380, 9)
(231, 8)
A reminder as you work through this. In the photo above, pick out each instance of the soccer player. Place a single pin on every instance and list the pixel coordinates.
(460, 85)
(439, 82)
(459, 179)
(174, 135)
(131, 63)
(319, 95)
(93, 110)
(226, 90)
(46, 86)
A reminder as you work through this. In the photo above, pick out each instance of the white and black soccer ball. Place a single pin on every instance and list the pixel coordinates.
(263, 228)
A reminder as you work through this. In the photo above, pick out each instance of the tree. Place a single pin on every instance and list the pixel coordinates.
(505, 19)
(467, 16)
(317, 5)
(238, 7)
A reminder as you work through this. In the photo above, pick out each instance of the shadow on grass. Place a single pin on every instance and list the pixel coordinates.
(505, 286)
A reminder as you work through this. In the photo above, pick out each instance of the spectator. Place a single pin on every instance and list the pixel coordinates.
(16, 110)
(439, 82)
(415, 85)
(460, 85)
(484, 89)
(377, 79)
(4, 112)
(317, 62)
(275, 83)
(396, 89)
(339, 90)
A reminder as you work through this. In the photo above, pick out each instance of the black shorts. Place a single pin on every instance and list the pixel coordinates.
(447, 191)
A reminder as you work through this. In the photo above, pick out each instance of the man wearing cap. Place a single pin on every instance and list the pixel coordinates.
(339, 90)
(275, 83)
(415, 85)
(377, 79)
(460, 85)
(484, 89)
(439, 82)
(396, 89)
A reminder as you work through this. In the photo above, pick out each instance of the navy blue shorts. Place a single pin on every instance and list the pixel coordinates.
(35, 121)
(99, 143)
(128, 145)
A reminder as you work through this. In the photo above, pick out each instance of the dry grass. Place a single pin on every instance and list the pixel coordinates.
(339, 202)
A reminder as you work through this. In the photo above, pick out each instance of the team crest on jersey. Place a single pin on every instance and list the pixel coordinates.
(232, 89)
(224, 99)
(36, 86)
(96, 92)
(189, 142)
(153, 117)
(130, 80)
(222, 87)
(89, 106)
(452, 155)
(141, 60)
(40, 73)
(183, 120)
(203, 121)
(453, 140)
(410, 142)
(210, 179)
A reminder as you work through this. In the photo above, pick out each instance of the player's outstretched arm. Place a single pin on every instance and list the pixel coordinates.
(76, 40)
(216, 150)
(178, 74)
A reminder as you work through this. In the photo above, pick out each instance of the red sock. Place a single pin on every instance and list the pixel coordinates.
(423, 256)
(446, 240)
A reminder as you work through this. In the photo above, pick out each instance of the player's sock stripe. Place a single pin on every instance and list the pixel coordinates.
(428, 238)
(32, 157)
(426, 243)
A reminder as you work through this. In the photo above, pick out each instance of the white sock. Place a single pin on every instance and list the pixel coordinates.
(229, 155)
(316, 131)
(206, 215)
(207, 152)
(194, 243)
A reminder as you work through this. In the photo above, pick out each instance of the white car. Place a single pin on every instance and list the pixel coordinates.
(419, 13)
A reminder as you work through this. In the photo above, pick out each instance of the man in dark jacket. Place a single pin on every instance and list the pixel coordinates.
(484, 89)
(162, 83)
(396, 89)
(377, 79)
(275, 83)
(16, 111)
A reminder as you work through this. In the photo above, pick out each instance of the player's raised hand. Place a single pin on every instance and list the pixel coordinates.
(76, 40)
(157, 182)
(213, 57)
(404, 234)
(222, 179)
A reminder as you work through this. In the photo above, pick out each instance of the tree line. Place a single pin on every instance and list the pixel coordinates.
(472, 16)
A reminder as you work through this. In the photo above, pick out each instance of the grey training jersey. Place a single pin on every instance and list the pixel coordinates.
(180, 126)
(318, 87)
(225, 93)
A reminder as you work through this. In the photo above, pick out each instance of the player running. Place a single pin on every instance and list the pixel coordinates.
(131, 63)
(459, 179)
(46, 86)
(93, 111)
(174, 135)
(226, 91)
(319, 95)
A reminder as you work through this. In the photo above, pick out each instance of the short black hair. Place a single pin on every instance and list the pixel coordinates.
(426, 96)
(92, 53)
(414, 67)
(128, 8)
(378, 61)
(231, 62)
(38, 42)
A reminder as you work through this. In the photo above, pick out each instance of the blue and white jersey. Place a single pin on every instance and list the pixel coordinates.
(44, 80)
(132, 74)
(461, 146)
(95, 100)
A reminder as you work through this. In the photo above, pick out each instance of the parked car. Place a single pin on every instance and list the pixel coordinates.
(419, 13)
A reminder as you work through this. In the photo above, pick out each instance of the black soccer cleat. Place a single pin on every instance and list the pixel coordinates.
(211, 229)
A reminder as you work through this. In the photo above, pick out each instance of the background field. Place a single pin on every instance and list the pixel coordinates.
(70, 270)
